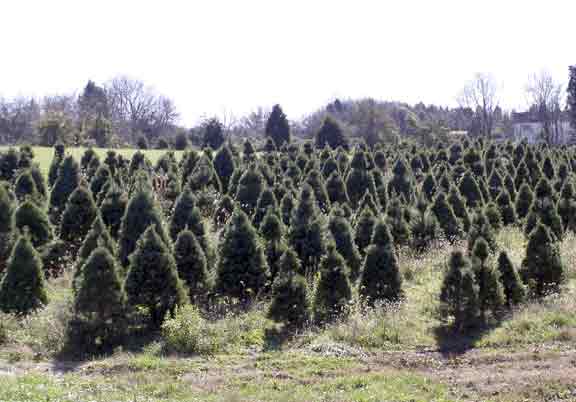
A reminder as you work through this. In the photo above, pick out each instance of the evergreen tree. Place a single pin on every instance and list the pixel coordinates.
(567, 207)
(507, 211)
(542, 268)
(446, 218)
(192, 265)
(336, 189)
(471, 191)
(152, 281)
(141, 212)
(331, 134)
(306, 234)
(78, 217)
(514, 289)
(329, 166)
(287, 208)
(571, 102)
(183, 207)
(267, 200)
(224, 166)
(22, 289)
(493, 215)
(543, 210)
(25, 188)
(524, 201)
(490, 289)
(272, 230)
(481, 228)
(112, 209)
(55, 164)
(277, 127)
(381, 279)
(344, 240)
(396, 219)
(213, 134)
(364, 229)
(334, 291)
(459, 207)
(31, 216)
(291, 301)
(100, 305)
(67, 181)
(250, 187)
(242, 269)
(315, 180)
(224, 211)
(459, 294)
(401, 183)
(429, 187)
(6, 225)
(359, 179)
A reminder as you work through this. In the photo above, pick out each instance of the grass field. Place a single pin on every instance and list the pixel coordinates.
(43, 155)
(398, 353)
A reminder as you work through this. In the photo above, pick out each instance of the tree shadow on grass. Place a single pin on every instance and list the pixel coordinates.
(452, 342)
(276, 337)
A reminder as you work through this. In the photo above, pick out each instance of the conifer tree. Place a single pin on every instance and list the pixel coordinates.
(446, 218)
(396, 219)
(567, 207)
(97, 237)
(359, 179)
(490, 289)
(316, 181)
(100, 304)
(152, 281)
(242, 271)
(277, 127)
(544, 211)
(334, 290)
(336, 189)
(141, 212)
(344, 240)
(250, 187)
(55, 164)
(78, 217)
(364, 229)
(481, 228)
(524, 201)
(511, 187)
(286, 208)
(401, 183)
(112, 209)
(31, 216)
(459, 294)
(330, 134)
(425, 229)
(367, 201)
(192, 265)
(22, 289)
(514, 289)
(542, 268)
(291, 302)
(429, 187)
(183, 207)
(507, 211)
(267, 200)
(25, 188)
(272, 230)
(306, 234)
(493, 215)
(459, 207)
(471, 191)
(329, 166)
(224, 211)
(495, 184)
(67, 181)
(224, 166)
(381, 279)
(6, 225)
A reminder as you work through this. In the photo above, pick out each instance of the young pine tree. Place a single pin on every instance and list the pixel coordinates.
(31, 216)
(152, 281)
(524, 200)
(490, 289)
(183, 207)
(542, 268)
(514, 289)
(344, 239)
(446, 218)
(381, 279)
(113, 208)
(78, 217)
(242, 271)
(100, 305)
(192, 265)
(22, 289)
(67, 181)
(459, 293)
(334, 290)
(272, 231)
(364, 230)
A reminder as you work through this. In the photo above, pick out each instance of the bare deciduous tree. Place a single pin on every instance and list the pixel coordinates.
(546, 95)
(481, 94)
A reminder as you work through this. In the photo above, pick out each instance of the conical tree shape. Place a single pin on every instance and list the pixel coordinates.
(514, 290)
(152, 281)
(397, 223)
(524, 200)
(567, 207)
(429, 187)
(183, 207)
(287, 206)
(459, 293)
(542, 268)
(493, 215)
(250, 187)
(507, 211)
(6, 225)
(29, 215)
(291, 301)
(97, 237)
(100, 305)
(459, 207)
(267, 200)
(306, 234)
(334, 290)
(67, 181)
(446, 218)
(272, 231)
(381, 279)
(336, 189)
(491, 291)
(344, 240)
(22, 289)
(242, 269)
(25, 188)
(100, 178)
(192, 265)
(359, 180)
(481, 228)
(401, 183)
(141, 213)
(470, 191)
(224, 166)
(545, 212)
(78, 217)
(278, 127)
(113, 208)
(364, 229)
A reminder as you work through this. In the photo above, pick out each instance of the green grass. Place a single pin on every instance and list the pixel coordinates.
(43, 155)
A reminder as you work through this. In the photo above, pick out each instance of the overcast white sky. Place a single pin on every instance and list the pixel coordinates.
(231, 56)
